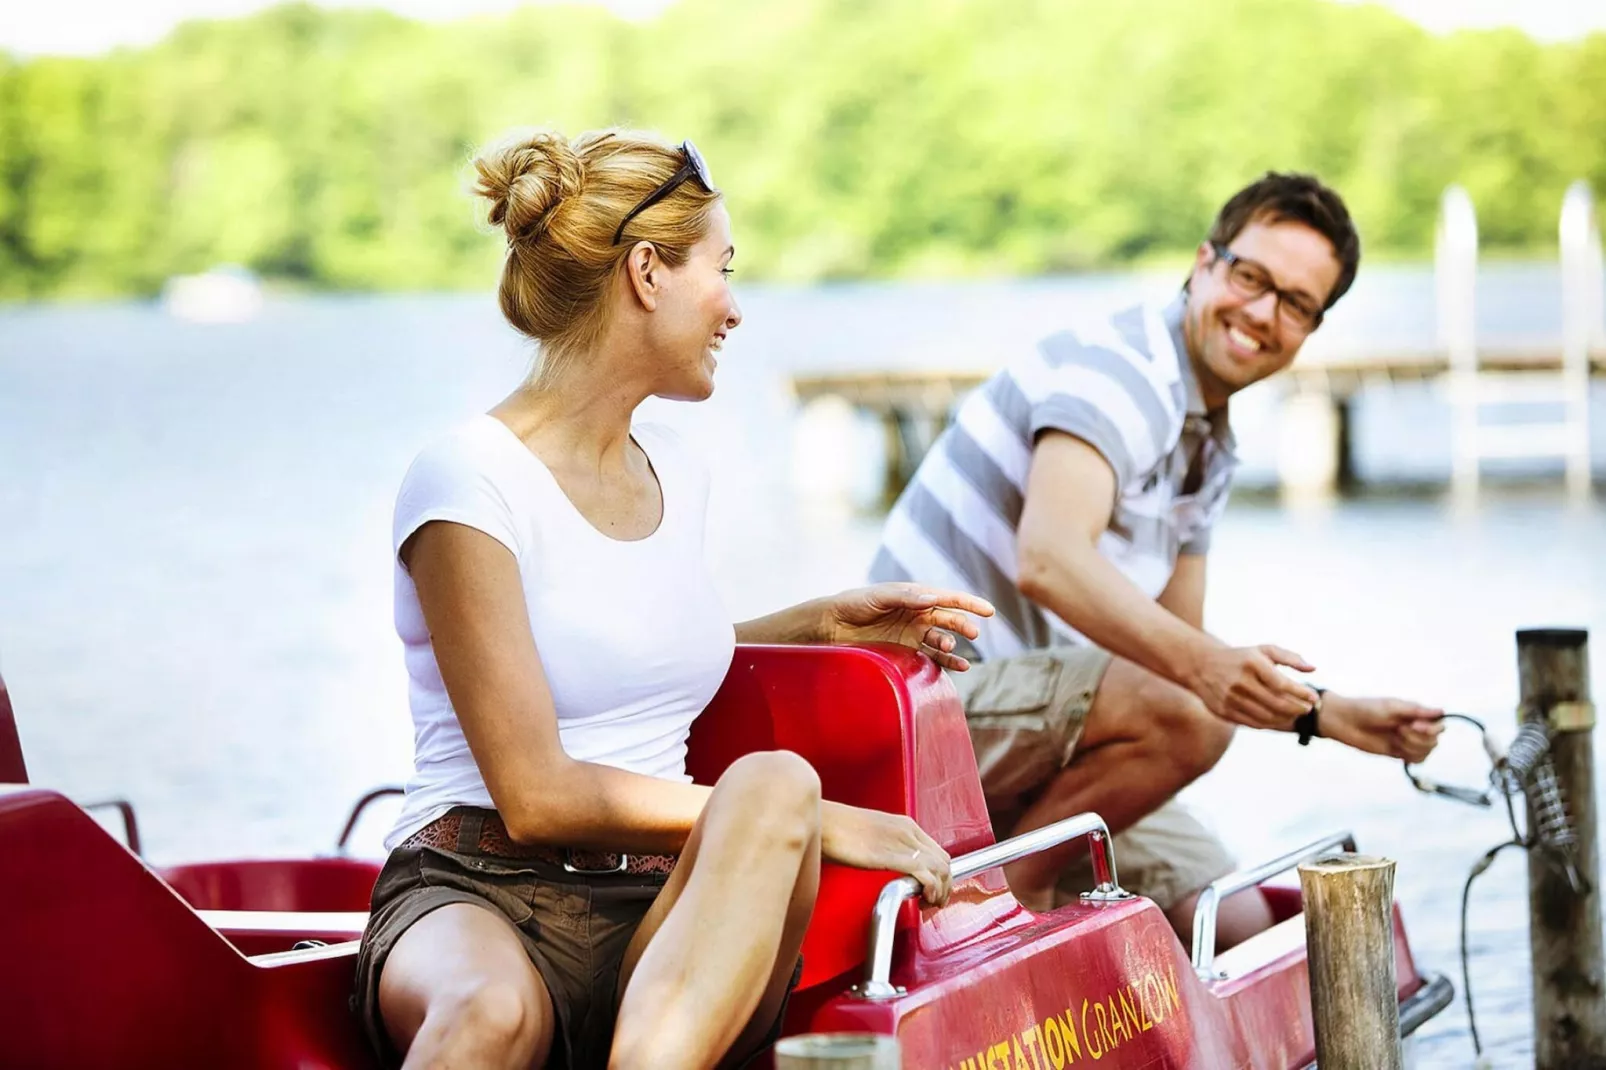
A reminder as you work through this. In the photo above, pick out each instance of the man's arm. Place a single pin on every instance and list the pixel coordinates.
(1184, 595)
(1070, 497)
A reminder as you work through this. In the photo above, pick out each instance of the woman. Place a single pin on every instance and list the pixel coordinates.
(558, 893)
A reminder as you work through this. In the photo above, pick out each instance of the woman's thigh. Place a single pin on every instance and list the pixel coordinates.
(465, 960)
(709, 878)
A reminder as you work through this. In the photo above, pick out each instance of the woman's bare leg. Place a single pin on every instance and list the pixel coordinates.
(705, 974)
(458, 990)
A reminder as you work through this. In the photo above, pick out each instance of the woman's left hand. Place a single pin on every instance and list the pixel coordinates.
(906, 613)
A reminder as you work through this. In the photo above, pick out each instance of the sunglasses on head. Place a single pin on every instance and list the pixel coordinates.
(692, 167)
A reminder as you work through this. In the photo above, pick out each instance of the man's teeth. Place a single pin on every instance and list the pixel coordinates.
(717, 345)
(1242, 340)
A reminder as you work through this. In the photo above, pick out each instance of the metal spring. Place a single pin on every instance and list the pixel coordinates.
(1527, 750)
(1528, 770)
(1552, 827)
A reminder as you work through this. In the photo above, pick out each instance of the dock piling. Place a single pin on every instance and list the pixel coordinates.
(1349, 934)
(1569, 980)
(838, 1051)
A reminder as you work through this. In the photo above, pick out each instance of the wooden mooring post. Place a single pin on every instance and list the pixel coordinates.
(838, 1051)
(1564, 922)
(1349, 934)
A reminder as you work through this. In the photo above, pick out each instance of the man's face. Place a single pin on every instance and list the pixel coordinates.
(1236, 337)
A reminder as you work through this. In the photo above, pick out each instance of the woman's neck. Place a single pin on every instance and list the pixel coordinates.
(582, 415)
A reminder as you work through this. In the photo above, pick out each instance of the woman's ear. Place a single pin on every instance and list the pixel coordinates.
(645, 271)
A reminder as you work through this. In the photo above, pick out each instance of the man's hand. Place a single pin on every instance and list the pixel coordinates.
(1244, 686)
(1389, 726)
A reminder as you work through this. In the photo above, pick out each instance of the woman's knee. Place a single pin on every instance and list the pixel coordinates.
(776, 789)
(491, 1014)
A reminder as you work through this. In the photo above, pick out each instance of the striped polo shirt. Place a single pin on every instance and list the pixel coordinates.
(1125, 386)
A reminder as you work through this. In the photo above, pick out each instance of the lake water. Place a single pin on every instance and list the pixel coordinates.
(195, 579)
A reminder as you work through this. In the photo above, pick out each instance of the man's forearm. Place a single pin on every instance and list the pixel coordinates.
(1092, 596)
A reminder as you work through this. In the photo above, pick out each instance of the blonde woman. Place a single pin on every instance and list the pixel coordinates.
(558, 894)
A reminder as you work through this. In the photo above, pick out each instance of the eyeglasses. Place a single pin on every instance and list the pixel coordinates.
(1251, 279)
(693, 167)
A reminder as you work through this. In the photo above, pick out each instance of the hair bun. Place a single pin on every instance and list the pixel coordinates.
(526, 180)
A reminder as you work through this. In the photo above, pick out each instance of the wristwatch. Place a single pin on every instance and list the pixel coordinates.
(1305, 724)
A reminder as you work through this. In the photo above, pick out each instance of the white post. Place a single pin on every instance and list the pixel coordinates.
(1455, 275)
(1581, 324)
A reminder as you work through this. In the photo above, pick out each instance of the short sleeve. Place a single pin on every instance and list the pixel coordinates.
(448, 481)
(1104, 397)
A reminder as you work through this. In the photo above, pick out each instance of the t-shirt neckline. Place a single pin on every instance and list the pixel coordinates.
(514, 440)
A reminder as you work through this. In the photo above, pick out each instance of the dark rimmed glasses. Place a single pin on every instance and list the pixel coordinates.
(1251, 279)
(692, 167)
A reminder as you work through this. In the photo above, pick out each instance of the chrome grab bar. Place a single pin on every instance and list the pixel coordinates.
(1204, 913)
(883, 920)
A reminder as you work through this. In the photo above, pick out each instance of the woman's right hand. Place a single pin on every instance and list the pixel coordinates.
(870, 839)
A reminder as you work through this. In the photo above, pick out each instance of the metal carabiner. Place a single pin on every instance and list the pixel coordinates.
(1470, 796)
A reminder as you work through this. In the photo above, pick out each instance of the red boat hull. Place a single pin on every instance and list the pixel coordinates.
(112, 963)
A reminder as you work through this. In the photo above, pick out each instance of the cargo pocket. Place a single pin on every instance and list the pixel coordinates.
(1018, 736)
(502, 884)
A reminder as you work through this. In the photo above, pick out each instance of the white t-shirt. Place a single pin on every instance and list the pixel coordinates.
(632, 636)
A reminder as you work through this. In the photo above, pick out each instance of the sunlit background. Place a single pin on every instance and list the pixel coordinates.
(243, 284)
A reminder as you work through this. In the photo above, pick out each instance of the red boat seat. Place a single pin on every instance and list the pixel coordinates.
(12, 769)
(316, 884)
(885, 730)
(106, 966)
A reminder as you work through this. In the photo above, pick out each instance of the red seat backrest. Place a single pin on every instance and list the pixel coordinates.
(12, 769)
(883, 727)
(106, 966)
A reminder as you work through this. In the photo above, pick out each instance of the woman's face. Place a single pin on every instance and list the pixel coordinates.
(697, 313)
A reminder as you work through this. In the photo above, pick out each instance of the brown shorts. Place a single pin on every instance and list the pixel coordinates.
(574, 927)
(1026, 714)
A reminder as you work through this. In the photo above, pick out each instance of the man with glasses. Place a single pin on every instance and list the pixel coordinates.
(1077, 491)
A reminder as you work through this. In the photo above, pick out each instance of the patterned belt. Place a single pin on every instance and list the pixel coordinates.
(445, 833)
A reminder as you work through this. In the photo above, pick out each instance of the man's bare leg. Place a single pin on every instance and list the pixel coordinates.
(1237, 919)
(1145, 740)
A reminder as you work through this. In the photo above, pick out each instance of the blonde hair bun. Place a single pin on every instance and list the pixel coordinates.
(527, 179)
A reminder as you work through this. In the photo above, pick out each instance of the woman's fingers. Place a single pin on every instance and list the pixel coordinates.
(946, 658)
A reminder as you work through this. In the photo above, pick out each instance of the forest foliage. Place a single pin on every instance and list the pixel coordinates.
(853, 138)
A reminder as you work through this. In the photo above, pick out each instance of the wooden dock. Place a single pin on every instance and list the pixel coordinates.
(914, 406)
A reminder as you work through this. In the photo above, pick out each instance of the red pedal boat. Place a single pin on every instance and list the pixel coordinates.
(113, 963)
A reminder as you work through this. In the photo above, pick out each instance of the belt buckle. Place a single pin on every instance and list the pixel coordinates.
(570, 867)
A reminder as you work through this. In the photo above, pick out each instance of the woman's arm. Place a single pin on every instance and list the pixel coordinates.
(473, 602)
(906, 613)
(805, 623)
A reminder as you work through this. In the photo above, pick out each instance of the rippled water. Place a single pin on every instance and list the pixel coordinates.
(195, 585)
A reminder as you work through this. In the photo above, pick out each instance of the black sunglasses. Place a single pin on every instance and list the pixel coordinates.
(1252, 279)
(692, 167)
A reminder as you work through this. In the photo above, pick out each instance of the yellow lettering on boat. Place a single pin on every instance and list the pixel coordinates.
(1034, 1044)
(1119, 1017)
(1117, 1024)
(1129, 1011)
(1171, 987)
(1053, 1043)
(1068, 1030)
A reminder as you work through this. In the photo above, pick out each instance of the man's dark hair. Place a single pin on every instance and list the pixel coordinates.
(1294, 198)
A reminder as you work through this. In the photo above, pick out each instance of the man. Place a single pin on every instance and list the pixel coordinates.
(1077, 490)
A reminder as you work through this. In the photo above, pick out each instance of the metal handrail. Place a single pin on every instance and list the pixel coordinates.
(356, 812)
(1205, 912)
(884, 918)
(130, 823)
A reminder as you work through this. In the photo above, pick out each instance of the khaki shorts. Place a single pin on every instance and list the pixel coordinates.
(1026, 714)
